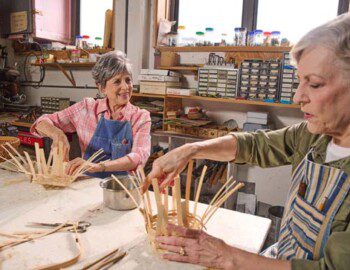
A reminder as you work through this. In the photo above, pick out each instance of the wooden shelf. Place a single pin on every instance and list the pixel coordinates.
(66, 65)
(222, 100)
(225, 49)
(237, 101)
(157, 113)
(176, 135)
(189, 68)
(147, 95)
(100, 51)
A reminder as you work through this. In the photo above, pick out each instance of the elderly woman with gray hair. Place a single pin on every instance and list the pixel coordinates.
(113, 124)
(315, 230)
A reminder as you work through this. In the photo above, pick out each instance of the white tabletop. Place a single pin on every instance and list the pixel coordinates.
(22, 202)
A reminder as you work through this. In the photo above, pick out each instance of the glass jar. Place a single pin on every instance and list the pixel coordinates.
(85, 42)
(209, 36)
(275, 38)
(181, 39)
(75, 54)
(240, 36)
(258, 38)
(171, 39)
(200, 38)
(189, 41)
(224, 41)
(250, 38)
(78, 40)
(267, 39)
(98, 42)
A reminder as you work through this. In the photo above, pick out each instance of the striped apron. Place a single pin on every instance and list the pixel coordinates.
(307, 219)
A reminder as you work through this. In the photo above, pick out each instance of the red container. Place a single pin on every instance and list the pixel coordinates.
(28, 138)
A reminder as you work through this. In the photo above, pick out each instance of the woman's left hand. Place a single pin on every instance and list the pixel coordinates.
(74, 165)
(196, 247)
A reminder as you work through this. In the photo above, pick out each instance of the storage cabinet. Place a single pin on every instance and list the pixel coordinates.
(42, 19)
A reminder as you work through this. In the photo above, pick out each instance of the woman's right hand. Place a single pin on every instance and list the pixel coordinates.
(167, 167)
(59, 137)
(47, 129)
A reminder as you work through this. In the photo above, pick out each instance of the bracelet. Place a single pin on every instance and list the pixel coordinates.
(103, 166)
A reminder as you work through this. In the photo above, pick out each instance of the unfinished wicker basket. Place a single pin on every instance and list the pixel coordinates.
(50, 172)
(180, 214)
(15, 142)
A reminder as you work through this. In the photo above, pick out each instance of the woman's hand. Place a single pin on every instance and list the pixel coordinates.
(47, 129)
(167, 167)
(196, 247)
(74, 165)
(59, 137)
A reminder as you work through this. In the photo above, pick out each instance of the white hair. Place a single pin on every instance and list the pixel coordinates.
(333, 35)
(109, 65)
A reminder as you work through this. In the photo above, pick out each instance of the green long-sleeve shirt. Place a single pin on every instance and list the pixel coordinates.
(289, 146)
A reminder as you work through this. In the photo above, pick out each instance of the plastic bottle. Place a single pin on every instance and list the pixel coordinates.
(181, 38)
(250, 38)
(84, 41)
(224, 41)
(98, 42)
(199, 38)
(267, 39)
(75, 55)
(172, 39)
(78, 40)
(275, 38)
(209, 36)
(240, 36)
(258, 37)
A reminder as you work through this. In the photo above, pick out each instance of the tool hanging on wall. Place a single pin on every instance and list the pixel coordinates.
(30, 71)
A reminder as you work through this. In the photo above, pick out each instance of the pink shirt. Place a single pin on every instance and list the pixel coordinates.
(83, 117)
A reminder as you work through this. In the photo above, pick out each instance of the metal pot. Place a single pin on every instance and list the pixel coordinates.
(115, 197)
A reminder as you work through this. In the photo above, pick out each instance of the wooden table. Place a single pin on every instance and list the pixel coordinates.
(22, 202)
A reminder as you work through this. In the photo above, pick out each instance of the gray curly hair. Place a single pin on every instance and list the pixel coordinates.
(109, 65)
(333, 35)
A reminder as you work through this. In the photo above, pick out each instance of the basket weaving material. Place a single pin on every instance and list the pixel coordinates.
(15, 142)
(191, 221)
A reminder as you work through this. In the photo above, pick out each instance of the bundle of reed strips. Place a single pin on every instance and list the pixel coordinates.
(18, 238)
(52, 172)
(180, 214)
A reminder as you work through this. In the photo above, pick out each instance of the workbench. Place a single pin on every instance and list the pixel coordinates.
(22, 202)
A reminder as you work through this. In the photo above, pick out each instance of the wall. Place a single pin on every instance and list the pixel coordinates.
(271, 184)
(137, 52)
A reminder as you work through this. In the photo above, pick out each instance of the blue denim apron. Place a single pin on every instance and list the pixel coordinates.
(115, 138)
(306, 223)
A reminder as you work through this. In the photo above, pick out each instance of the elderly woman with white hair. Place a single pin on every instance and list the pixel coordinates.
(315, 231)
(113, 124)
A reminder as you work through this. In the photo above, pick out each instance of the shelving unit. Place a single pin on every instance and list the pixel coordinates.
(66, 65)
(55, 52)
(222, 100)
(62, 67)
(182, 68)
(271, 49)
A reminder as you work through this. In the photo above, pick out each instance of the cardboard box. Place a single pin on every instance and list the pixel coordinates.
(158, 88)
(169, 59)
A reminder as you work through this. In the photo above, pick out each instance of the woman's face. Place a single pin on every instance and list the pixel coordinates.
(118, 89)
(323, 93)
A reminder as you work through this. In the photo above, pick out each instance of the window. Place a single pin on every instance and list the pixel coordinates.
(222, 15)
(294, 18)
(92, 17)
